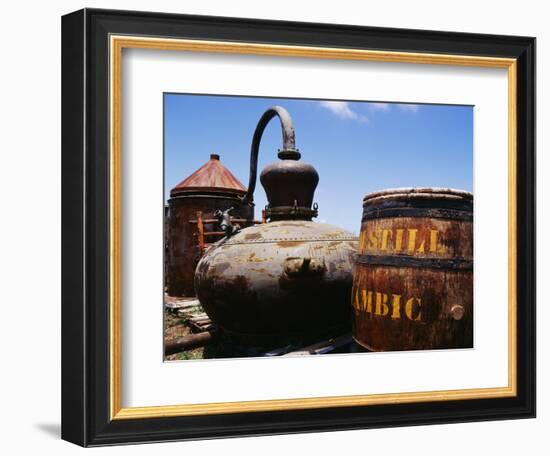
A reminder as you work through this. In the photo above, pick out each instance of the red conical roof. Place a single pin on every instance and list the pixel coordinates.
(212, 177)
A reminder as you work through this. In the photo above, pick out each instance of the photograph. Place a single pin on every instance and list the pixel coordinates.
(358, 237)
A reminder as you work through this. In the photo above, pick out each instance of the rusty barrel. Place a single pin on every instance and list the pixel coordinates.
(413, 277)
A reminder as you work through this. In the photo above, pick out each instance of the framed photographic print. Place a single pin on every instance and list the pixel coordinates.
(380, 273)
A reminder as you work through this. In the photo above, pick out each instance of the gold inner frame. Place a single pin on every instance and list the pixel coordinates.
(117, 44)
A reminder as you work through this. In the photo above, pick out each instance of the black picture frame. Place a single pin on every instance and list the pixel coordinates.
(85, 227)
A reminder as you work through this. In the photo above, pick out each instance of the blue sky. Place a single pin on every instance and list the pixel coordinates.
(356, 147)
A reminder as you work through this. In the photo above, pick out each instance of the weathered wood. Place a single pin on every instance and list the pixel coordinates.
(413, 286)
(181, 304)
(200, 231)
(279, 351)
(189, 342)
(320, 348)
(200, 322)
(200, 319)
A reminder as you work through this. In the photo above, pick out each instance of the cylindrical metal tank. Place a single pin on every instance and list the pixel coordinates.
(413, 278)
(288, 280)
(166, 246)
(212, 187)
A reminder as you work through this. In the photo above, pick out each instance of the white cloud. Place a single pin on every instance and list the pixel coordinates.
(409, 107)
(343, 110)
(340, 108)
(384, 107)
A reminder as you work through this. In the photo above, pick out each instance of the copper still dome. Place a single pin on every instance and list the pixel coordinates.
(212, 177)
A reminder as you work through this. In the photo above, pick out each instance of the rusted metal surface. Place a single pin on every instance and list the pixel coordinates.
(204, 238)
(210, 177)
(289, 143)
(289, 183)
(209, 189)
(285, 281)
(184, 249)
(413, 280)
(166, 226)
(279, 282)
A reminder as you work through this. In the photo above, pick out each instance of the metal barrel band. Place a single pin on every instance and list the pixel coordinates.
(438, 213)
(409, 261)
(290, 211)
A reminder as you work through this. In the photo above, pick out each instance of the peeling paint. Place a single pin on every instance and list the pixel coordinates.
(263, 302)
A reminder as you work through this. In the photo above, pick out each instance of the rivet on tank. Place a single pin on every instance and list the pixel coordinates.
(288, 280)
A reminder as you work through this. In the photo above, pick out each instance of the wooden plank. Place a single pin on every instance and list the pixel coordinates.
(194, 222)
(200, 314)
(200, 327)
(180, 304)
(322, 347)
(280, 351)
(200, 321)
(200, 234)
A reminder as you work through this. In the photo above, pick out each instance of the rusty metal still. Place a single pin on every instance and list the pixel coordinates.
(210, 188)
(287, 280)
(413, 281)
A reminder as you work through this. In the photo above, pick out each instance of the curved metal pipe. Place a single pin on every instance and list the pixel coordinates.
(287, 152)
